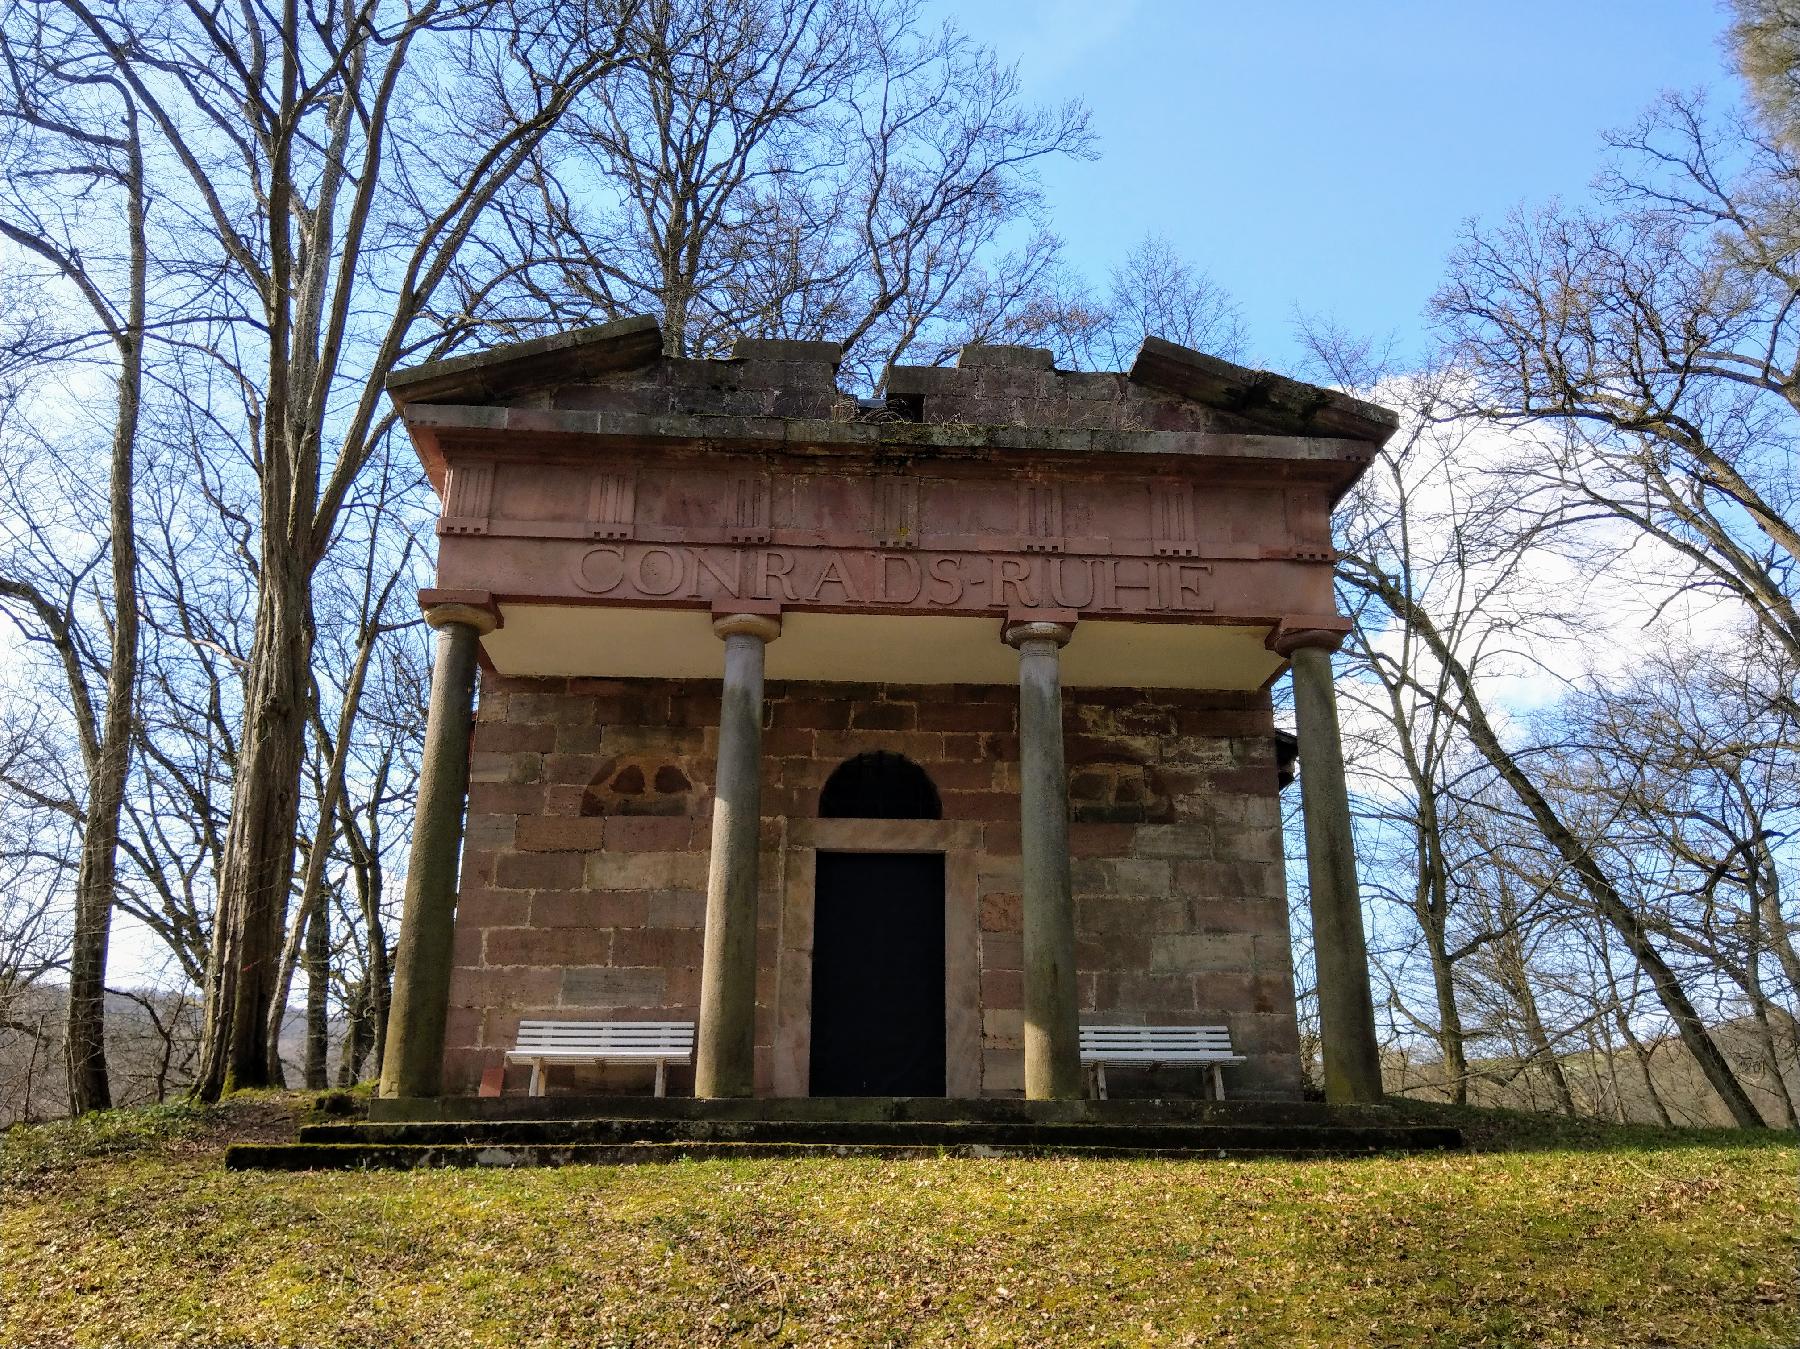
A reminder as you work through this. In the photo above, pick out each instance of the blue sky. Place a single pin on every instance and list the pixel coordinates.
(1323, 155)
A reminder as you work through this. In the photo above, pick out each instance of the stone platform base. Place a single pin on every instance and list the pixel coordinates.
(648, 1130)
(1128, 1110)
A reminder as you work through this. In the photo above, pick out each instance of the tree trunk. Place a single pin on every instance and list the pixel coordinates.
(1431, 901)
(1642, 1055)
(357, 1033)
(1515, 978)
(367, 870)
(1601, 893)
(312, 884)
(1450, 1029)
(1759, 1011)
(258, 868)
(1601, 1038)
(318, 975)
(1541, 1049)
(110, 765)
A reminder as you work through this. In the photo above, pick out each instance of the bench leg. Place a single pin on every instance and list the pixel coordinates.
(661, 1078)
(537, 1078)
(1218, 1083)
(1100, 1079)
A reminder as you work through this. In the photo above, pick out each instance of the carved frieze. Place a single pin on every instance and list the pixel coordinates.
(844, 578)
(1041, 505)
(1173, 527)
(612, 504)
(468, 497)
(947, 539)
(749, 507)
(896, 511)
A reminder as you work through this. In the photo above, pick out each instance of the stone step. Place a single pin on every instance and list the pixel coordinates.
(1126, 1110)
(1287, 1135)
(615, 1142)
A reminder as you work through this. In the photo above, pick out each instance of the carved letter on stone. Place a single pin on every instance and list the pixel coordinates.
(945, 572)
(772, 568)
(724, 582)
(599, 570)
(836, 573)
(466, 498)
(659, 571)
(1064, 594)
(900, 579)
(1015, 585)
(1191, 582)
(612, 505)
(1121, 579)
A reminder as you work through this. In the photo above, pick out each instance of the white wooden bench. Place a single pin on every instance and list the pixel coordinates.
(542, 1043)
(1147, 1046)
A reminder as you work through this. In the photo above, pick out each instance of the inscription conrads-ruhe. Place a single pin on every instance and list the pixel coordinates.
(839, 578)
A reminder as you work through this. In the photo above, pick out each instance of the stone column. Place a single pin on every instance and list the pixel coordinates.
(1346, 1009)
(1052, 1029)
(412, 1062)
(724, 1048)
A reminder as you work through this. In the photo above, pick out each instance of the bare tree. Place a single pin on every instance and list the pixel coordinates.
(387, 559)
(1695, 767)
(1157, 292)
(1765, 37)
(335, 197)
(75, 147)
(38, 854)
(1655, 347)
(1478, 596)
(781, 168)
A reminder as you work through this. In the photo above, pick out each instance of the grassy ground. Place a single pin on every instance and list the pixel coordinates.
(127, 1231)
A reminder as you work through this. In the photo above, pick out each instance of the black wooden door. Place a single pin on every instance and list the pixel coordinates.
(878, 975)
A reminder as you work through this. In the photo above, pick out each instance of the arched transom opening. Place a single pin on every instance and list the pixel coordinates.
(879, 785)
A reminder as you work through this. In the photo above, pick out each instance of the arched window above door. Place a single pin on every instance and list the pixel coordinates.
(879, 785)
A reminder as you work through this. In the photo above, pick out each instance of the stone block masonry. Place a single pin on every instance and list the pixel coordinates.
(583, 885)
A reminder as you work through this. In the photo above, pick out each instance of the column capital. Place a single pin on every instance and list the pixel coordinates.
(1018, 631)
(1294, 631)
(473, 607)
(764, 627)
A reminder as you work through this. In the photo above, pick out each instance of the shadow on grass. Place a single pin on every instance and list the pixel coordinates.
(176, 1127)
(1490, 1129)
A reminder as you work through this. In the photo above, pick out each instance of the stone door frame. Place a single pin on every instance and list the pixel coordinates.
(959, 841)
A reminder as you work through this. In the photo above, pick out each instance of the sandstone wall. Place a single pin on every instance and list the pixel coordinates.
(584, 872)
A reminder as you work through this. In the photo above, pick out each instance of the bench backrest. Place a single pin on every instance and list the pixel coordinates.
(603, 1037)
(1154, 1042)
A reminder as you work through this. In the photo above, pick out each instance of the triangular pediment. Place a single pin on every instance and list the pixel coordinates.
(579, 356)
(1217, 395)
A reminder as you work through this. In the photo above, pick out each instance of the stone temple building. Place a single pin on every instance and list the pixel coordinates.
(888, 742)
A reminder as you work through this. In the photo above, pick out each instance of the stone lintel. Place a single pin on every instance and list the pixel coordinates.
(530, 433)
(724, 606)
(1010, 357)
(784, 349)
